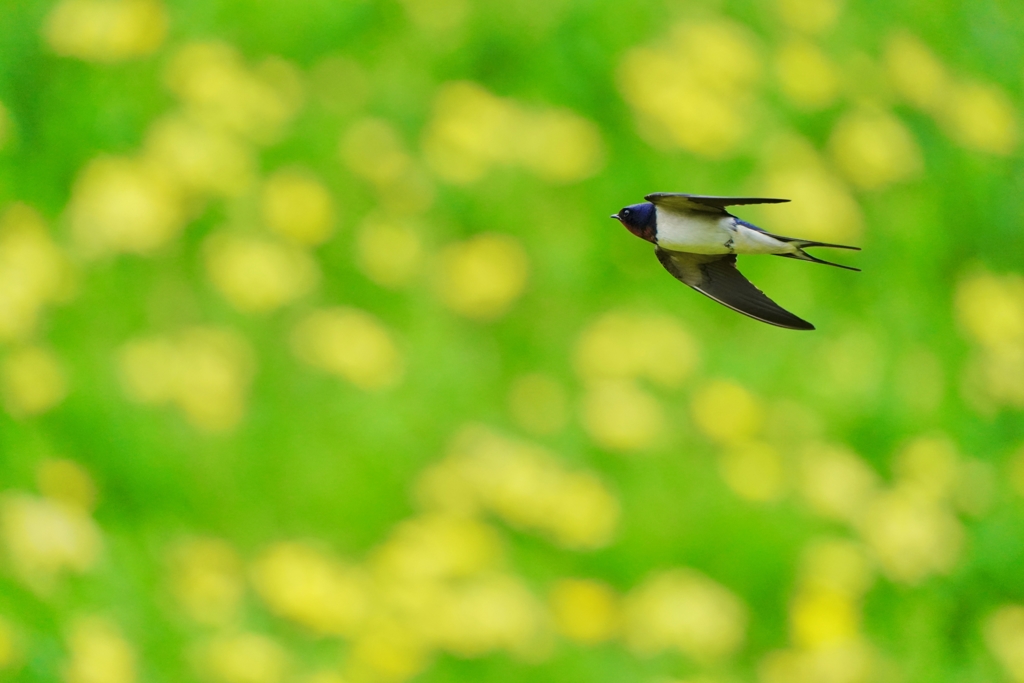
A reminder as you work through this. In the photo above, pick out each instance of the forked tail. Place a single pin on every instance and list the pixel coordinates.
(802, 255)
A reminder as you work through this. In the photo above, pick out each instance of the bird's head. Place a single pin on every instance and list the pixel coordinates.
(639, 219)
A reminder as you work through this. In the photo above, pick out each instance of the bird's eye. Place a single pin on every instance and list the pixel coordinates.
(626, 212)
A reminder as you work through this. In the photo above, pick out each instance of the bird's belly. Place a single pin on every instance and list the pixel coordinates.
(694, 233)
(747, 241)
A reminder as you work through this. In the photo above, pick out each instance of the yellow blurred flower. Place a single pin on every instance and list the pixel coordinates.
(487, 613)
(298, 581)
(203, 159)
(205, 372)
(836, 482)
(390, 252)
(620, 416)
(10, 646)
(975, 488)
(822, 617)
(538, 403)
(625, 345)
(297, 206)
(915, 72)
(472, 130)
(218, 89)
(386, 652)
(124, 205)
(560, 146)
(257, 275)
(981, 117)
(911, 537)
(106, 30)
(726, 412)
(34, 272)
(874, 149)
(806, 75)
(1004, 635)
(524, 485)
(585, 611)
(439, 546)
(66, 482)
(929, 466)
(684, 610)
(692, 91)
(373, 149)
(99, 653)
(990, 308)
(32, 381)
(754, 471)
(351, 344)
(810, 16)
(822, 206)
(848, 661)
(482, 276)
(206, 580)
(45, 537)
(243, 658)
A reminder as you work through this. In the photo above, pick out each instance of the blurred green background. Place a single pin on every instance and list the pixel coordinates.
(321, 360)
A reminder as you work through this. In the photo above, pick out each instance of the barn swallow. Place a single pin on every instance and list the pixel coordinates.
(697, 241)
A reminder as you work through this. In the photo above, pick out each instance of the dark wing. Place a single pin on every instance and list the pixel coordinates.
(715, 276)
(695, 202)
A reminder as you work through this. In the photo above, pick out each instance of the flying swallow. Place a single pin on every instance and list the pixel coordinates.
(697, 241)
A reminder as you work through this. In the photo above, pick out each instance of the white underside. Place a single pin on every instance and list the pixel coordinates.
(708, 233)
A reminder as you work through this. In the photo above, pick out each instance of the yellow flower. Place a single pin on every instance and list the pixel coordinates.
(625, 345)
(106, 30)
(66, 482)
(726, 412)
(874, 149)
(204, 371)
(206, 579)
(32, 381)
(45, 537)
(1004, 635)
(351, 344)
(483, 276)
(585, 611)
(621, 416)
(218, 89)
(257, 275)
(124, 205)
(243, 658)
(438, 546)
(687, 611)
(34, 272)
(203, 159)
(810, 16)
(911, 537)
(298, 207)
(754, 471)
(300, 582)
(981, 117)
(836, 482)
(807, 77)
(915, 71)
(390, 252)
(10, 647)
(99, 653)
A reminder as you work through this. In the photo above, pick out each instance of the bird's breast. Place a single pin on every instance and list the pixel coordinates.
(695, 233)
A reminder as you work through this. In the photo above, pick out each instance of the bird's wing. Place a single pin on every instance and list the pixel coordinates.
(715, 276)
(695, 202)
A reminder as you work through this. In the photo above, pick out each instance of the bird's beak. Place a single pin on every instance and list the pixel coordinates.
(615, 216)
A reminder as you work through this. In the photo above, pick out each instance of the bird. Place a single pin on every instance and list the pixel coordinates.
(697, 240)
